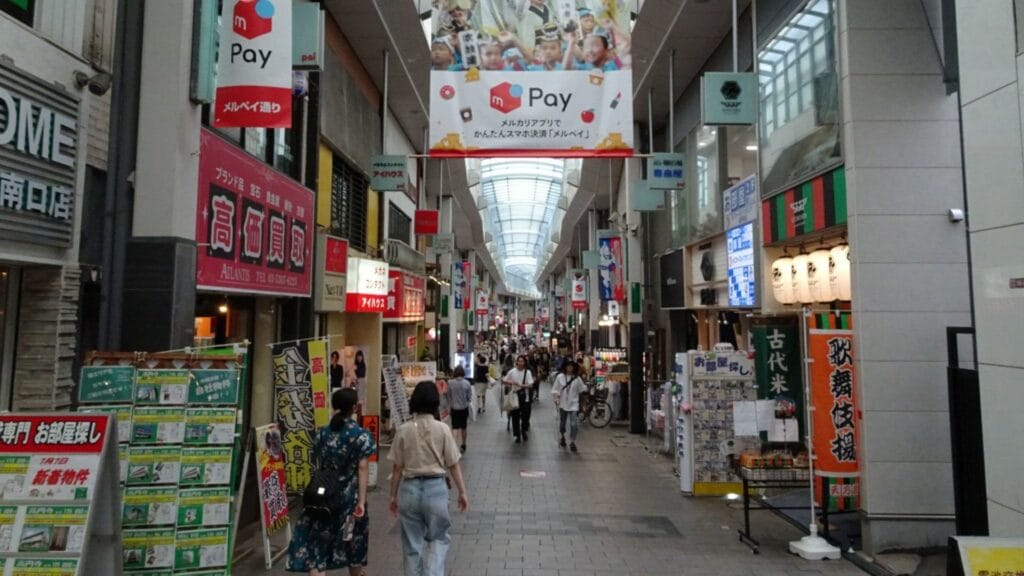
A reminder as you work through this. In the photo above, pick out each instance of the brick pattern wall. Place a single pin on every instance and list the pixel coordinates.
(47, 328)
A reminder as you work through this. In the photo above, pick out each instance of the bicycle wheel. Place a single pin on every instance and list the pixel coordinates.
(600, 415)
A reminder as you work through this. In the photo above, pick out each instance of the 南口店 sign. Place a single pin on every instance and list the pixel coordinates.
(253, 225)
(729, 98)
(366, 285)
(38, 152)
(254, 69)
(389, 173)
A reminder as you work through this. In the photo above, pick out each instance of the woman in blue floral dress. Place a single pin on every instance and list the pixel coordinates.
(319, 545)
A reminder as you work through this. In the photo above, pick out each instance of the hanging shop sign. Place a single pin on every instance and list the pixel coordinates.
(833, 395)
(426, 222)
(308, 26)
(611, 283)
(490, 97)
(366, 285)
(406, 301)
(729, 98)
(742, 277)
(810, 207)
(671, 270)
(38, 157)
(579, 289)
(665, 171)
(740, 203)
(443, 244)
(331, 266)
(645, 198)
(253, 225)
(273, 489)
(462, 275)
(779, 377)
(300, 394)
(254, 68)
(591, 259)
(483, 298)
(389, 173)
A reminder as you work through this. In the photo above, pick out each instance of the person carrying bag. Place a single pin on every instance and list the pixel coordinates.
(518, 383)
(566, 392)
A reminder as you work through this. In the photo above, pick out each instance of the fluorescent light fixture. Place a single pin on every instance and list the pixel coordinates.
(752, 148)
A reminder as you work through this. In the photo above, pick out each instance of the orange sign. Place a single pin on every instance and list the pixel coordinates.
(835, 415)
(372, 425)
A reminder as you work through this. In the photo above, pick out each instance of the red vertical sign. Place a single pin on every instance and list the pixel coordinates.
(835, 415)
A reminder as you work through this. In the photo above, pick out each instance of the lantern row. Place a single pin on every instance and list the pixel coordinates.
(821, 276)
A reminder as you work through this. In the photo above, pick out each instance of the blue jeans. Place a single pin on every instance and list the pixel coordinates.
(574, 423)
(423, 515)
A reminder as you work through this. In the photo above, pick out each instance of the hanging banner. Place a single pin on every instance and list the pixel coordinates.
(405, 297)
(254, 225)
(611, 285)
(461, 288)
(483, 298)
(489, 97)
(779, 377)
(320, 382)
(831, 354)
(579, 289)
(254, 69)
(272, 483)
(293, 392)
(426, 222)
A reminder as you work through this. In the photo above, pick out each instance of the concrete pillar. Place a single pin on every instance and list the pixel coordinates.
(264, 333)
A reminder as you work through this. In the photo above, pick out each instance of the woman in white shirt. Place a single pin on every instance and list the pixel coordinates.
(519, 381)
(566, 391)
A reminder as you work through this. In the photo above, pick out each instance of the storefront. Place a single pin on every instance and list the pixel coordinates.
(404, 316)
(41, 177)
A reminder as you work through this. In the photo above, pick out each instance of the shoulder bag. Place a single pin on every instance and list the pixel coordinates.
(322, 497)
(510, 400)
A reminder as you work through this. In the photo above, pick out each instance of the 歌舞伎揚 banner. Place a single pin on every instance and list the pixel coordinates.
(272, 484)
(490, 97)
(254, 67)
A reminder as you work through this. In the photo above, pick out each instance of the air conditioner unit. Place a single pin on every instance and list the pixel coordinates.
(400, 254)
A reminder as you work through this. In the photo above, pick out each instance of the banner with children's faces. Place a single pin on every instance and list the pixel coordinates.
(489, 96)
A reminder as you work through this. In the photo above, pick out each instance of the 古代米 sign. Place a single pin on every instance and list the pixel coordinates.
(254, 68)
(254, 225)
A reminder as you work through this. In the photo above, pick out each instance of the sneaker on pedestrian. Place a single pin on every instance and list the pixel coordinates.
(561, 442)
(518, 440)
(525, 436)
(572, 447)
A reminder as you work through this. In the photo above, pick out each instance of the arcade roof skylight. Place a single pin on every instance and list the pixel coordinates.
(521, 198)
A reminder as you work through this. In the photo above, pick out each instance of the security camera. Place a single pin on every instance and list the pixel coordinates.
(956, 215)
(98, 84)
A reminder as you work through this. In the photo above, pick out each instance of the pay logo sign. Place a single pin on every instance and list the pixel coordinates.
(507, 97)
(252, 19)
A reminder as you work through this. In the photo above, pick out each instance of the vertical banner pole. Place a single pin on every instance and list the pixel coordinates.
(735, 39)
(385, 123)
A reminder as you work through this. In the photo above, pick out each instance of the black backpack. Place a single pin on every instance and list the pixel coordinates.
(322, 496)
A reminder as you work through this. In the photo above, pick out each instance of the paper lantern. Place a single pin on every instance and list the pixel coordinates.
(782, 280)
(801, 291)
(839, 272)
(818, 276)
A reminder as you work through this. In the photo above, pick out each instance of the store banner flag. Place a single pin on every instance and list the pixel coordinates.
(778, 369)
(426, 222)
(579, 289)
(254, 69)
(462, 278)
(483, 298)
(254, 226)
(273, 487)
(320, 382)
(611, 284)
(835, 434)
(488, 93)
(293, 393)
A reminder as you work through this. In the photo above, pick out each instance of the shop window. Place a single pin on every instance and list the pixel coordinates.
(399, 224)
(349, 191)
(23, 11)
(799, 134)
(704, 197)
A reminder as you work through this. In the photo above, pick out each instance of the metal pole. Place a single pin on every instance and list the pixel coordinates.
(735, 38)
(385, 123)
(650, 120)
(672, 102)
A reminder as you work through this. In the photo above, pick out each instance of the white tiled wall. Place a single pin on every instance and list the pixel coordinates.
(993, 100)
(909, 264)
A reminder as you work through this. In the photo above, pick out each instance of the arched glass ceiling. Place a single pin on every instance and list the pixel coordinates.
(521, 210)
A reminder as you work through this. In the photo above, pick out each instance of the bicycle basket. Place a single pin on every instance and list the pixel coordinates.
(601, 393)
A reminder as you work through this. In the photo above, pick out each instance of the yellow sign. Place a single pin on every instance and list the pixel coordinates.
(318, 378)
(984, 556)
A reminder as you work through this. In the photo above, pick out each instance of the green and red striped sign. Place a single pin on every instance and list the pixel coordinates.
(837, 320)
(810, 207)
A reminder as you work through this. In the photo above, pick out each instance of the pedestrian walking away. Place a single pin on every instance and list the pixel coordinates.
(460, 398)
(481, 369)
(324, 542)
(566, 392)
(520, 381)
(423, 451)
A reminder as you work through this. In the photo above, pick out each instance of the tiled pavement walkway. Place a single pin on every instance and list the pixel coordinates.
(612, 509)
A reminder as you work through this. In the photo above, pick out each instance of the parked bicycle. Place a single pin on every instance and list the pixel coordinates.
(594, 406)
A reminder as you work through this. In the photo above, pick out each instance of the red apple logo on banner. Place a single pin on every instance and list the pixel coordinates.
(587, 116)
